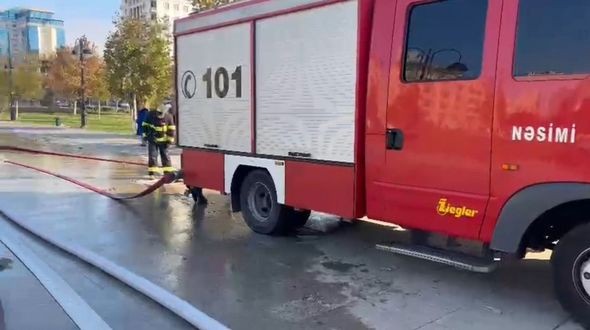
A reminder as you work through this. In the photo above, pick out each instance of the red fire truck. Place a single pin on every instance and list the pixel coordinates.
(457, 117)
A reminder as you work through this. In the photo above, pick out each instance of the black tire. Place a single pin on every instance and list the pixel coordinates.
(571, 263)
(298, 218)
(261, 211)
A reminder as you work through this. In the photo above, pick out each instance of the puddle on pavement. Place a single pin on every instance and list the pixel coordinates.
(340, 266)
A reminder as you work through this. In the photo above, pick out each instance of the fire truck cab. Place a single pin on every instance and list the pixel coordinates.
(466, 118)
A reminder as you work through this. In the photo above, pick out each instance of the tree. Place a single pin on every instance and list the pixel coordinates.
(138, 63)
(4, 89)
(201, 5)
(27, 82)
(64, 75)
(97, 83)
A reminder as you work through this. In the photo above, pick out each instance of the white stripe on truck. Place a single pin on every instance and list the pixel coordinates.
(276, 168)
(263, 8)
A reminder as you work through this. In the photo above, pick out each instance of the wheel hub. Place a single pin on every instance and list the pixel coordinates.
(260, 201)
(585, 276)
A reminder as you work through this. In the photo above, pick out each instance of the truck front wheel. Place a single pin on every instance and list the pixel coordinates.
(571, 273)
(261, 211)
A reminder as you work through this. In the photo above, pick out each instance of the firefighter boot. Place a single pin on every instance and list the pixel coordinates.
(198, 196)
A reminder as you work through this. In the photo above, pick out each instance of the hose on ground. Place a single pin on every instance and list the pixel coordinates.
(158, 294)
(166, 179)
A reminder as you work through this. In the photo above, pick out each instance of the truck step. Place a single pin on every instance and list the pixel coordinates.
(449, 258)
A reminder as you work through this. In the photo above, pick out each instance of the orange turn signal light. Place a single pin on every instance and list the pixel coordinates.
(510, 167)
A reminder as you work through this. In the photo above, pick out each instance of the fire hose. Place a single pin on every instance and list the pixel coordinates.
(158, 294)
(166, 179)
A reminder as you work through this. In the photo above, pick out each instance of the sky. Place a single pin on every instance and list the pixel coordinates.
(91, 17)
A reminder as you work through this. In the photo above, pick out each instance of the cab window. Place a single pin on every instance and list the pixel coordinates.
(553, 38)
(445, 40)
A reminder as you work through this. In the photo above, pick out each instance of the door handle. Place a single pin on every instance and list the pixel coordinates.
(394, 139)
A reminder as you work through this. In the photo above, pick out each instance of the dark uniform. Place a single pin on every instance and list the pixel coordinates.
(160, 131)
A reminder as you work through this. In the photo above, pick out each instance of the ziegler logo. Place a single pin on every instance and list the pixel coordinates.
(444, 208)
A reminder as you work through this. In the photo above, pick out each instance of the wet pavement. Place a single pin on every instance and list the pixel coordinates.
(118, 305)
(21, 293)
(207, 256)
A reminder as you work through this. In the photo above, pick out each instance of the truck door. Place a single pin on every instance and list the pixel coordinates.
(436, 173)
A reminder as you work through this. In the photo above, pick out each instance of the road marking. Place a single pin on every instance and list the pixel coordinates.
(76, 307)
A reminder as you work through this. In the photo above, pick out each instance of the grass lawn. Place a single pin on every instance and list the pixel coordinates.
(119, 123)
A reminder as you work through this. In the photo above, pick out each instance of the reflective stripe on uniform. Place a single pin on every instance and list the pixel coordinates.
(155, 128)
(168, 169)
(172, 127)
(162, 139)
(155, 169)
(158, 128)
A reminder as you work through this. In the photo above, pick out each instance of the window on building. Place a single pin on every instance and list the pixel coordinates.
(154, 17)
(186, 9)
(445, 40)
(166, 5)
(176, 7)
(154, 4)
(553, 38)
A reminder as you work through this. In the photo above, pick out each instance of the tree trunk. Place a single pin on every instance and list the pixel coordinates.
(75, 107)
(99, 108)
(133, 112)
(134, 107)
(14, 110)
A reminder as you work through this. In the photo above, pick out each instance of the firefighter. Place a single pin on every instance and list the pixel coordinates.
(159, 130)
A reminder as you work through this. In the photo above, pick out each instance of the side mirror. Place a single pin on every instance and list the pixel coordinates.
(458, 67)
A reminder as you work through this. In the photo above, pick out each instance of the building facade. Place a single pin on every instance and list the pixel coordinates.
(29, 32)
(164, 11)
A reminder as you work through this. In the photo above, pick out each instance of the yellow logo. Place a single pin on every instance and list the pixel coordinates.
(444, 208)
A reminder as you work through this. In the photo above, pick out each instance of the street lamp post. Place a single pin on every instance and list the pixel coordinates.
(81, 49)
(10, 68)
(13, 110)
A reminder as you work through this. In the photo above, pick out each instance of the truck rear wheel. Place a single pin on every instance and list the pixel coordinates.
(571, 273)
(261, 211)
